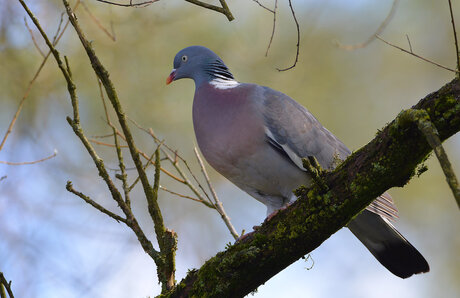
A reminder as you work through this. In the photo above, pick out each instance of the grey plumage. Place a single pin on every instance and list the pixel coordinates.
(256, 137)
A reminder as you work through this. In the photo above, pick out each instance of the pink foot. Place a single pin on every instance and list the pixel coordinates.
(271, 215)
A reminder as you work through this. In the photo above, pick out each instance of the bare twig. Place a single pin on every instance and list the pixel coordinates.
(265, 7)
(457, 53)
(33, 38)
(206, 200)
(7, 285)
(75, 123)
(143, 154)
(188, 197)
(164, 263)
(371, 38)
(410, 45)
(111, 35)
(298, 39)
(61, 19)
(90, 201)
(149, 162)
(121, 164)
(29, 162)
(56, 39)
(415, 55)
(223, 10)
(106, 144)
(217, 202)
(131, 4)
(103, 136)
(273, 28)
(185, 180)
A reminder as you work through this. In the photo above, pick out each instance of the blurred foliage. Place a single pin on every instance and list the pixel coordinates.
(45, 229)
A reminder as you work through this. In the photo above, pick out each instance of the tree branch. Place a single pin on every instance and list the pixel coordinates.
(415, 55)
(131, 221)
(163, 236)
(317, 214)
(4, 284)
(223, 9)
(298, 39)
(457, 52)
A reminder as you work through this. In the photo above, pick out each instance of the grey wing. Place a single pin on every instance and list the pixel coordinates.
(291, 129)
(298, 132)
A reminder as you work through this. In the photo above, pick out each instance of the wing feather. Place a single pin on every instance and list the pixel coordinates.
(291, 128)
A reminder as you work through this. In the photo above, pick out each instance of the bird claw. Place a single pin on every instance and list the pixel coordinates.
(244, 236)
(271, 215)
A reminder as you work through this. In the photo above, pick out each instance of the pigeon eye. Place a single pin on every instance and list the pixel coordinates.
(184, 58)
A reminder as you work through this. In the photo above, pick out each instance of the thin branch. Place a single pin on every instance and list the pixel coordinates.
(165, 271)
(371, 38)
(217, 202)
(410, 45)
(103, 136)
(33, 38)
(56, 39)
(149, 162)
(188, 197)
(61, 20)
(75, 123)
(223, 10)
(457, 52)
(131, 4)
(265, 7)
(143, 154)
(90, 201)
(415, 55)
(298, 39)
(96, 21)
(185, 180)
(204, 200)
(121, 164)
(274, 26)
(6, 284)
(29, 162)
(106, 144)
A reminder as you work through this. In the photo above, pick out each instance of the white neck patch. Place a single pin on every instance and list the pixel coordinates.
(219, 83)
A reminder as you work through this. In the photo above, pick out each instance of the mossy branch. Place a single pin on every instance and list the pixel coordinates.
(313, 168)
(5, 285)
(318, 213)
(422, 119)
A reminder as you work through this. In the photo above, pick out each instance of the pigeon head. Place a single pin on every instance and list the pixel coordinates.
(200, 64)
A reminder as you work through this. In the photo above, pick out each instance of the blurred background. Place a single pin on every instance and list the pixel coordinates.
(52, 244)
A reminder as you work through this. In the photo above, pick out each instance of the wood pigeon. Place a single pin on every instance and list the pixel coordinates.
(256, 137)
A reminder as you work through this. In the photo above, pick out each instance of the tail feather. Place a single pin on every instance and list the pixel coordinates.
(387, 245)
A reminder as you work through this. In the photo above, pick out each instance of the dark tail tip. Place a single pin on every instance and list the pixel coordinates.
(402, 259)
(387, 245)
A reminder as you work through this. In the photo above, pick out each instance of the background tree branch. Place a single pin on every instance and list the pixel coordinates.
(389, 160)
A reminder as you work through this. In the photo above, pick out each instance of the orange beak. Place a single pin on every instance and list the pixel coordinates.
(171, 77)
